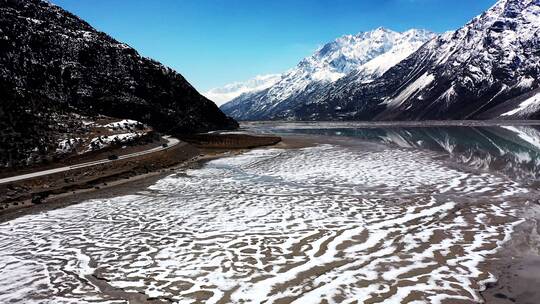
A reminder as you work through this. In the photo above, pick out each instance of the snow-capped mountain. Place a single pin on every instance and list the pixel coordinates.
(231, 91)
(465, 74)
(487, 69)
(368, 55)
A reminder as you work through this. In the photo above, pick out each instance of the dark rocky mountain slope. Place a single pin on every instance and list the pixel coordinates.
(55, 68)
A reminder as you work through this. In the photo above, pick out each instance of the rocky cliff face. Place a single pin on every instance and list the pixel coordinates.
(55, 67)
(488, 69)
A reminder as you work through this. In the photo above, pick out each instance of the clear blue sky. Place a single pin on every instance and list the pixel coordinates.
(215, 42)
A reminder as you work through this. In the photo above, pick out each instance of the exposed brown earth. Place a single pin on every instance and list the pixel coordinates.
(231, 141)
(69, 187)
(518, 265)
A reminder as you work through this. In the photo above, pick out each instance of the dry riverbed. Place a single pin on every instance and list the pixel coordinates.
(52, 191)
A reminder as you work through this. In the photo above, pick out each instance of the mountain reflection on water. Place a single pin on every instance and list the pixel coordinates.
(511, 150)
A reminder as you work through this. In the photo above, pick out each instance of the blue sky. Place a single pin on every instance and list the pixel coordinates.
(215, 42)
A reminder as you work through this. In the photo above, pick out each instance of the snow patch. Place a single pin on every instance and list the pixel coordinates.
(529, 105)
(66, 146)
(126, 124)
(101, 142)
(415, 87)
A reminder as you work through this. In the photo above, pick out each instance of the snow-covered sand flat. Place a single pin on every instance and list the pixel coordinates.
(326, 223)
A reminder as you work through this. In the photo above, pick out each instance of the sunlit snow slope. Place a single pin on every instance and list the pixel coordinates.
(367, 55)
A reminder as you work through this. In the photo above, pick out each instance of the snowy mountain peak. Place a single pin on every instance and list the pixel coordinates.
(230, 91)
(382, 29)
(488, 68)
(511, 8)
(475, 70)
(418, 34)
(366, 54)
(332, 61)
(506, 29)
(370, 53)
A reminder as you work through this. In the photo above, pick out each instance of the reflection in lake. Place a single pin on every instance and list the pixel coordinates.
(511, 150)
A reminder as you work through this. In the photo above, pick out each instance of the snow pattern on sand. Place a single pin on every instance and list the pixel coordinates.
(322, 223)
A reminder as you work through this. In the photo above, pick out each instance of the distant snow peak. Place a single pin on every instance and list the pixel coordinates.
(347, 53)
(230, 91)
(368, 54)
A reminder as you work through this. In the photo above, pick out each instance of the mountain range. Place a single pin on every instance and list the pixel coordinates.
(57, 73)
(488, 69)
(233, 90)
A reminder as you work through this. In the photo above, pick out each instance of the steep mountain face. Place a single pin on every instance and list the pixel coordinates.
(463, 75)
(54, 66)
(487, 69)
(366, 55)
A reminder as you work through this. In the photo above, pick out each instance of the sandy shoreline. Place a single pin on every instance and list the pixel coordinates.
(517, 264)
